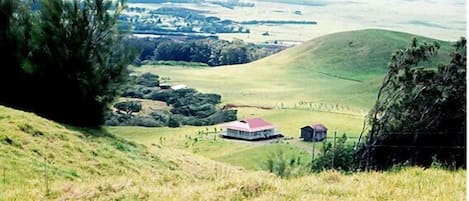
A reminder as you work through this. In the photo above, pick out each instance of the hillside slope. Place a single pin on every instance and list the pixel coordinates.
(94, 165)
(354, 55)
(339, 69)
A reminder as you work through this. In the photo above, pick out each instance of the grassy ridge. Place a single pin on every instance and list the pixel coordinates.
(94, 165)
(83, 164)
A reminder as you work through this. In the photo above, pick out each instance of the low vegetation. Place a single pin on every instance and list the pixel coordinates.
(187, 106)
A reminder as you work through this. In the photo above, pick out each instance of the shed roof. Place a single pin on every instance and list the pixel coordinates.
(318, 127)
(250, 125)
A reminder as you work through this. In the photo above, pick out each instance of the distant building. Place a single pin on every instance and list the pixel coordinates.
(165, 86)
(250, 129)
(316, 133)
(177, 87)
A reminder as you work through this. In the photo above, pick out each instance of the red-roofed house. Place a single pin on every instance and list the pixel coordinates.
(250, 129)
(315, 132)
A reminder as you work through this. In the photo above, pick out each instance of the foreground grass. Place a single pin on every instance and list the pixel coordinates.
(95, 165)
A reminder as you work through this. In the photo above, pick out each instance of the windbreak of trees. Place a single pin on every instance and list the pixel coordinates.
(209, 51)
(420, 114)
(63, 60)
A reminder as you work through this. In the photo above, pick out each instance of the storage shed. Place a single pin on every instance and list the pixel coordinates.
(314, 132)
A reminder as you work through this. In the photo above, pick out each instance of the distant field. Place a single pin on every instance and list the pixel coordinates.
(446, 22)
(340, 71)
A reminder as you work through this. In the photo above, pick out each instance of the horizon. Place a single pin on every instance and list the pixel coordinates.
(438, 19)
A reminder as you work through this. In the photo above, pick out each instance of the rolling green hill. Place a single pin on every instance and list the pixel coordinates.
(331, 80)
(342, 69)
(95, 165)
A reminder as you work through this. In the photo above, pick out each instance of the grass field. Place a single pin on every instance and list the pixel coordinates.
(442, 19)
(83, 164)
(326, 80)
(340, 69)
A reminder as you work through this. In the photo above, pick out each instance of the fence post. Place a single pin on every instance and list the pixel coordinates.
(333, 149)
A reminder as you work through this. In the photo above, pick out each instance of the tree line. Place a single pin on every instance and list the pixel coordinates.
(209, 51)
(63, 59)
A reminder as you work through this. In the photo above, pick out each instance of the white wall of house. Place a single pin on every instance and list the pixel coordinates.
(250, 135)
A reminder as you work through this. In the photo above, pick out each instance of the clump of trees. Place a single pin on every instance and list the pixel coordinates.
(339, 157)
(420, 113)
(63, 59)
(128, 107)
(209, 51)
(188, 106)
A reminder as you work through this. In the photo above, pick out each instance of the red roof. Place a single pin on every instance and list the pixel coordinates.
(250, 125)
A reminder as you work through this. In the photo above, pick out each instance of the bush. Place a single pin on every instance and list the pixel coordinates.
(161, 95)
(284, 167)
(133, 94)
(173, 123)
(161, 116)
(342, 155)
(146, 121)
(148, 80)
(129, 106)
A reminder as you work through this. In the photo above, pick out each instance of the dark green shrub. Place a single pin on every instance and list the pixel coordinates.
(146, 121)
(133, 94)
(173, 123)
(148, 80)
(129, 106)
(342, 156)
(161, 95)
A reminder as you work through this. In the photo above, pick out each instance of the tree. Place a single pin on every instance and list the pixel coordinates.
(173, 123)
(65, 58)
(341, 154)
(129, 107)
(420, 113)
(15, 28)
(77, 47)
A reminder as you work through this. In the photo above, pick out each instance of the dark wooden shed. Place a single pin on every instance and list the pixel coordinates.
(316, 131)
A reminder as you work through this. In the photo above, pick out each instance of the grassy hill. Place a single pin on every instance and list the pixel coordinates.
(331, 80)
(344, 68)
(95, 165)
